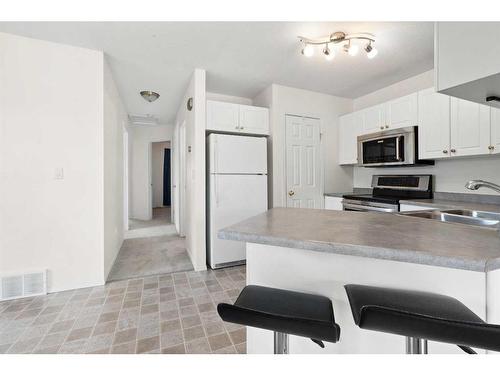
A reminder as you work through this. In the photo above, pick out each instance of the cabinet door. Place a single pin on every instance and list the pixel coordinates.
(254, 120)
(374, 119)
(333, 203)
(402, 112)
(470, 128)
(222, 116)
(350, 126)
(495, 131)
(433, 125)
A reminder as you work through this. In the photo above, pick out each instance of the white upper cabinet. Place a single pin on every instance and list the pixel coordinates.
(374, 119)
(350, 126)
(254, 120)
(495, 131)
(467, 60)
(470, 128)
(433, 124)
(402, 112)
(237, 118)
(222, 116)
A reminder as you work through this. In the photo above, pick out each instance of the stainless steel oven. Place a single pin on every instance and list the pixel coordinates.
(356, 205)
(398, 147)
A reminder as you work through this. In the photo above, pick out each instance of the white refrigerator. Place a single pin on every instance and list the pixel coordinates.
(237, 190)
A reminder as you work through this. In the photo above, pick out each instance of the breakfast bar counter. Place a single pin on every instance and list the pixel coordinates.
(320, 251)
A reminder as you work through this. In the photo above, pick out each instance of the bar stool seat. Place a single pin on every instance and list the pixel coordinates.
(422, 315)
(283, 311)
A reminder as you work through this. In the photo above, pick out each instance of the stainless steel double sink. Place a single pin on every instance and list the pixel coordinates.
(468, 217)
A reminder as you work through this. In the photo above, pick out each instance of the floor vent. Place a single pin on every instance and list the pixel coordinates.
(25, 285)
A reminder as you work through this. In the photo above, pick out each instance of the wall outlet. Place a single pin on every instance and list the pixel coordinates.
(59, 174)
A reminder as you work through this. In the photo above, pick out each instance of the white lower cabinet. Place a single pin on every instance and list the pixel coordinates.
(333, 203)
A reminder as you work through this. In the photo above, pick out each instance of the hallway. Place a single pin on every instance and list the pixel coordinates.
(145, 256)
(161, 216)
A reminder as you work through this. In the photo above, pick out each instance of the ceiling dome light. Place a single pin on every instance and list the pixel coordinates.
(150, 96)
(329, 54)
(371, 52)
(308, 50)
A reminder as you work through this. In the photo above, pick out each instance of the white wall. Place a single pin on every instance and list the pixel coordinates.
(401, 88)
(115, 124)
(283, 100)
(450, 175)
(158, 158)
(195, 208)
(51, 108)
(140, 167)
(228, 98)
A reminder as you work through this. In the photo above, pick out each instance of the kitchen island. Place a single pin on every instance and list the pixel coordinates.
(319, 251)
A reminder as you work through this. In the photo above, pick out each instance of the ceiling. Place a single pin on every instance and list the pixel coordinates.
(241, 58)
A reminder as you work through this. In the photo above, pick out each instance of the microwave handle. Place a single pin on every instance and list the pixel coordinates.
(398, 157)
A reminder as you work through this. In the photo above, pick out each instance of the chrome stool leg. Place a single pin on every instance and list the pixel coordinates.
(280, 343)
(416, 346)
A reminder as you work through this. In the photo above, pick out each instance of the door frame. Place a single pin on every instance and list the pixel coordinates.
(182, 179)
(126, 208)
(321, 161)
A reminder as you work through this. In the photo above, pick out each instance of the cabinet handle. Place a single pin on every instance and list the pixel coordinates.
(445, 151)
(453, 150)
(491, 148)
(291, 193)
(387, 126)
(382, 128)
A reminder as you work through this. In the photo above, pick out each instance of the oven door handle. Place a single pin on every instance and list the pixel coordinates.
(359, 207)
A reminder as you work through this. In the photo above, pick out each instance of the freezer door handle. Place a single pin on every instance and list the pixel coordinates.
(216, 191)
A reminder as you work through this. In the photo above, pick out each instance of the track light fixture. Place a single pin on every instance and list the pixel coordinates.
(307, 50)
(329, 54)
(371, 51)
(349, 43)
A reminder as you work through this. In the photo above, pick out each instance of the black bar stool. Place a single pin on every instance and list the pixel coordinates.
(421, 316)
(284, 312)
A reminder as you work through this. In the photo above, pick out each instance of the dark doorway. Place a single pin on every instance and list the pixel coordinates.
(166, 178)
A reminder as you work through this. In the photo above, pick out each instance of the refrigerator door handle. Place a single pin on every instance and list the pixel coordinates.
(216, 191)
(216, 156)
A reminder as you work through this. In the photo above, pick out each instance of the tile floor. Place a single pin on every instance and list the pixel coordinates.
(140, 257)
(173, 313)
(161, 216)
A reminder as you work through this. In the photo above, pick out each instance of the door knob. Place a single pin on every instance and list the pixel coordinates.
(291, 192)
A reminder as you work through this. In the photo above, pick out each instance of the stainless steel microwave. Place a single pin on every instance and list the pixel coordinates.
(398, 147)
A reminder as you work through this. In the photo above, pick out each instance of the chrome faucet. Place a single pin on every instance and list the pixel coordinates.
(476, 184)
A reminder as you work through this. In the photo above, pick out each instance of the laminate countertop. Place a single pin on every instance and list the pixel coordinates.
(375, 235)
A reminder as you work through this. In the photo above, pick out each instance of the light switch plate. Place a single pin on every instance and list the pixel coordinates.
(59, 174)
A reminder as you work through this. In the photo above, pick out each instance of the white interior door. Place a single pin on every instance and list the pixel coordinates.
(303, 163)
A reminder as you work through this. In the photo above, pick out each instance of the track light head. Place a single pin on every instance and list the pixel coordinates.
(329, 54)
(351, 49)
(308, 50)
(371, 51)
